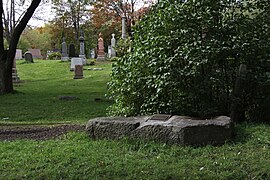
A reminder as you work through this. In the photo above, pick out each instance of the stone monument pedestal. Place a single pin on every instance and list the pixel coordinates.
(101, 53)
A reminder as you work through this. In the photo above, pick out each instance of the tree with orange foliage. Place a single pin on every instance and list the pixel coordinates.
(111, 11)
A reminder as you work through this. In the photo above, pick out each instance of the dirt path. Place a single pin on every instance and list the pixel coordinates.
(36, 132)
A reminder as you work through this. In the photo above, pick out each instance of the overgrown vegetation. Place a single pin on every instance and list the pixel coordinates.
(186, 55)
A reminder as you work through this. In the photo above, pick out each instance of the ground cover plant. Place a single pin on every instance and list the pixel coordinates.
(37, 98)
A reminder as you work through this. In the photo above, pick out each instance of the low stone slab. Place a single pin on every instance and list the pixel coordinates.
(180, 130)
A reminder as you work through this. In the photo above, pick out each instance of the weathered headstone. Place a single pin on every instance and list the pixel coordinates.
(36, 53)
(15, 77)
(72, 51)
(74, 62)
(181, 130)
(28, 57)
(64, 51)
(237, 109)
(18, 54)
(93, 55)
(101, 53)
(78, 72)
(82, 50)
(123, 26)
(113, 42)
(109, 51)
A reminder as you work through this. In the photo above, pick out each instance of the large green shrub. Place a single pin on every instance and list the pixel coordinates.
(185, 57)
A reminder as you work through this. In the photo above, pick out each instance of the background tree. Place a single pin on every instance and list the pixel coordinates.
(7, 55)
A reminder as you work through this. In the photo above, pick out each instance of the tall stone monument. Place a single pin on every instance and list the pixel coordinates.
(113, 42)
(82, 49)
(101, 53)
(64, 51)
(123, 26)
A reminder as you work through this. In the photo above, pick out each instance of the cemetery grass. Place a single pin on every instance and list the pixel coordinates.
(76, 156)
(36, 98)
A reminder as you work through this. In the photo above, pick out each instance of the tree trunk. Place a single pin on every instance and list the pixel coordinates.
(7, 56)
(6, 85)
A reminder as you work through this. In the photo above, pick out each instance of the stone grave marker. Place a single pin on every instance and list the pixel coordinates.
(123, 26)
(64, 51)
(28, 57)
(82, 50)
(74, 62)
(18, 54)
(71, 51)
(101, 53)
(113, 42)
(15, 77)
(93, 55)
(36, 53)
(109, 51)
(78, 72)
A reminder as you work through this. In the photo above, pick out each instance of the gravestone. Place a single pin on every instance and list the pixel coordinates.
(180, 130)
(237, 109)
(74, 62)
(18, 54)
(28, 57)
(101, 53)
(64, 51)
(36, 53)
(72, 52)
(82, 50)
(78, 72)
(93, 55)
(113, 42)
(15, 77)
(123, 27)
(109, 51)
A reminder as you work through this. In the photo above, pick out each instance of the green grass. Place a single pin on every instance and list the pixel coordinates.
(76, 156)
(36, 99)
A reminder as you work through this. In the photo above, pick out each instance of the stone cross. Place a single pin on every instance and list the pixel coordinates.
(101, 53)
(64, 51)
(113, 42)
(123, 27)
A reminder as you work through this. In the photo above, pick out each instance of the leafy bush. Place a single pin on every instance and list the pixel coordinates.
(54, 56)
(186, 55)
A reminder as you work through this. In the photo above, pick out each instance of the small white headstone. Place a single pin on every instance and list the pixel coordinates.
(18, 54)
(75, 61)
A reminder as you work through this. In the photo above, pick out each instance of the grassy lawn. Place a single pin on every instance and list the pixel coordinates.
(76, 156)
(37, 100)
